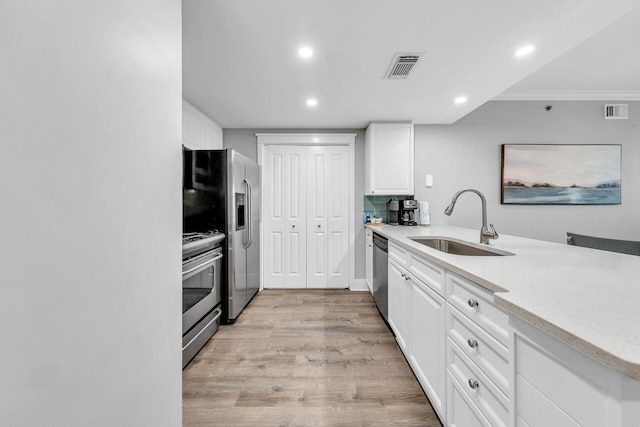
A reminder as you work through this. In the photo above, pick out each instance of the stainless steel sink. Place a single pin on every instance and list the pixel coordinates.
(459, 247)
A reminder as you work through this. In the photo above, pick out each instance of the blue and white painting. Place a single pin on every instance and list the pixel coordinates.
(561, 174)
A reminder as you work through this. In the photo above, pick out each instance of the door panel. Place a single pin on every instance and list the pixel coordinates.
(273, 217)
(295, 183)
(338, 216)
(317, 276)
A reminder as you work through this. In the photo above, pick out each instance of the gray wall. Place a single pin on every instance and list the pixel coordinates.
(467, 154)
(90, 179)
(245, 142)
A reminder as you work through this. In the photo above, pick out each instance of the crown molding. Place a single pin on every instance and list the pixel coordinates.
(568, 95)
(306, 138)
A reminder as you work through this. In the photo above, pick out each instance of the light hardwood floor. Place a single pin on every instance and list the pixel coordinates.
(304, 358)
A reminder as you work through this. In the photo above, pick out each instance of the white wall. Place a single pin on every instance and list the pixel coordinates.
(90, 177)
(467, 154)
(244, 141)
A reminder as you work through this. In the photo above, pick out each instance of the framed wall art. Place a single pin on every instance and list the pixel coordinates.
(546, 174)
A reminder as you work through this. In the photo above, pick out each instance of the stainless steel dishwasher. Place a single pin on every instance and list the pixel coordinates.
(380, 275)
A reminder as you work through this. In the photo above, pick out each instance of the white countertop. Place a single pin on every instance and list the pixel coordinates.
(587, 298)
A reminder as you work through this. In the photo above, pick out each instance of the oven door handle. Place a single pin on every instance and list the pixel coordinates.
(201, 267)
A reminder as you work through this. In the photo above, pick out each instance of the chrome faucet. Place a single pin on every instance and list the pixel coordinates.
(485, 233)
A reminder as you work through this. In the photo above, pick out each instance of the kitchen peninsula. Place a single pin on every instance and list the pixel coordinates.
(581, 302)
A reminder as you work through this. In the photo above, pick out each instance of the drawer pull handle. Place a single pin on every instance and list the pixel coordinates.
(472, 343)
(473, 384)
(473, 303)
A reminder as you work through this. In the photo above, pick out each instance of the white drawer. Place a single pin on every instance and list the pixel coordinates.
(485, 351)
(398, 254)
(477, 304)
(493, 404)
(368, 234)
(429, 273)
(461, 411)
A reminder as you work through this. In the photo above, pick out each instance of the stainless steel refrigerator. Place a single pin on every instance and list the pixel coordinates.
(232, 205)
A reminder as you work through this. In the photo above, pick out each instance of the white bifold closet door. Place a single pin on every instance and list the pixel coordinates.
(306, 226)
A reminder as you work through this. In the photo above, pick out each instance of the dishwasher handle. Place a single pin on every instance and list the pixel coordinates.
(381, 243)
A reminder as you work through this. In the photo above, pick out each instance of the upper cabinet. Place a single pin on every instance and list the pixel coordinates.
(389, 160)
(198, 131)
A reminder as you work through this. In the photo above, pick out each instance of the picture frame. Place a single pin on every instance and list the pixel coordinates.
(561, 174)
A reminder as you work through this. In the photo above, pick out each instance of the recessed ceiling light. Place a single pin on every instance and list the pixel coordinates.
(312, 102)
(525, 50)
(305, 52)
(460, 100)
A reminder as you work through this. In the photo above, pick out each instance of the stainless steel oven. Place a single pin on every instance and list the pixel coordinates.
(201, 291)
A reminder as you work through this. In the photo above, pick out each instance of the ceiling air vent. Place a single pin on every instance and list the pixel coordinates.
(402, 64)
(616, 111)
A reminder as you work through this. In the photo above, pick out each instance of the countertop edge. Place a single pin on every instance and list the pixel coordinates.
(596, 353)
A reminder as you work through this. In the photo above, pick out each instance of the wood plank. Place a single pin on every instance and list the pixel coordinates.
(304, 358)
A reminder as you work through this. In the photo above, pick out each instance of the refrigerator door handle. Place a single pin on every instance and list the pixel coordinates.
(248, 230)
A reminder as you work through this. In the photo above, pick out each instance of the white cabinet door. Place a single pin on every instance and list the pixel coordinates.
(369, 259)
(428, 343)
(399, 305)
(284, 217)
(198, 131)
(212, 136)
(560, 386)
(389, 159)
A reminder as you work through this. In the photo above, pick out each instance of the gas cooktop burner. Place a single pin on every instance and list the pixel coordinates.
(197, 243)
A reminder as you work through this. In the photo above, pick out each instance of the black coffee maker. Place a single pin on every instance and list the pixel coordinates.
(408, 209)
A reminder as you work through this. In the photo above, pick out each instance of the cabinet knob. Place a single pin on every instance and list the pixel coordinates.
(293, 226)
(473, 384)
(472, 343)
(473, 303)
(318, 225)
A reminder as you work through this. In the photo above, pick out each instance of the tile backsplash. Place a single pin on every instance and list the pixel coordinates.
(377, 205)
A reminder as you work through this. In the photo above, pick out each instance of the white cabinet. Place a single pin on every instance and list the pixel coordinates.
(389, 159)
(555, 385)
(417, 317)
(428, 347)
(399, 304)
(481, 367)
(198, 131)
(369, 259)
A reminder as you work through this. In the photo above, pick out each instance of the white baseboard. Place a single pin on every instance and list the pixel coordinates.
(359, 285)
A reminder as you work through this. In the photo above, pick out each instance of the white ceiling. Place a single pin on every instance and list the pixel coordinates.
(240, 63)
